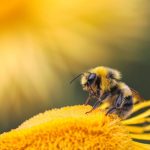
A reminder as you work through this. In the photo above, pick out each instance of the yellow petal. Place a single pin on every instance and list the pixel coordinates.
(141, 146)
(141, 105)
(138, 119)
(135, 129)
(144, 136)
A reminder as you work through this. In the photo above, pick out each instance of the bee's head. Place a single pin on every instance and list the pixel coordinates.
(88, 80)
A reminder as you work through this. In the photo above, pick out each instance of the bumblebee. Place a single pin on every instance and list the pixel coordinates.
(104, 84)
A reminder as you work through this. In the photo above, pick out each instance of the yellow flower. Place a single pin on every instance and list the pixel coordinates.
(70, 128)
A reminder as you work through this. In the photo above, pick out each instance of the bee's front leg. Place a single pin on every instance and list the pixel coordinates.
(87, 100)
(95, 106)
(99, 101)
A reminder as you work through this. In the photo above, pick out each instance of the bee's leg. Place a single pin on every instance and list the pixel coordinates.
(87, 100)
(95, 106)
(119, 101)
(111, 110)
(118, 104)
(99, 101)
(126, 108)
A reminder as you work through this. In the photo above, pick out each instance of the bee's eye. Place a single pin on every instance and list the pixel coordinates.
(91, 78)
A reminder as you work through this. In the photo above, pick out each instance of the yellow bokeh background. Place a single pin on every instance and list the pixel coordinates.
(44, 44)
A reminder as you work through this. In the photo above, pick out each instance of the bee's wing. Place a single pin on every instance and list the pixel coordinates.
(137, 97)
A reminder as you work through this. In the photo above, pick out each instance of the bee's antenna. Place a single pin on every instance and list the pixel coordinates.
(76, 77)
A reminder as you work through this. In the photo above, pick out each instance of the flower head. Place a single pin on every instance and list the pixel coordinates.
(70, 128)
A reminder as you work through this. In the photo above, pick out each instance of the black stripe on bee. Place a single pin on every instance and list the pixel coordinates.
(110, 75)
(128, 101)
(115, 90)
(98, 82)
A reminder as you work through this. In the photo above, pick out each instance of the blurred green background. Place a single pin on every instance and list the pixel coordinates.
(44, 44)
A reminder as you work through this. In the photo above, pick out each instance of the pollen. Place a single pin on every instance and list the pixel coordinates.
(69, 128)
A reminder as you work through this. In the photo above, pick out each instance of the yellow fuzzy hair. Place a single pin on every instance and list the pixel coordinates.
(126, 90)
(103, 73)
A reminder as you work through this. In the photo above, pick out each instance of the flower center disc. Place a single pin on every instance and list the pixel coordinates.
(70, 128)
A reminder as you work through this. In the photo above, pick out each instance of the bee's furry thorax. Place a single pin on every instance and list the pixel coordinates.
(106, 72)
